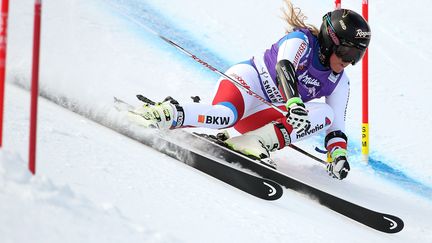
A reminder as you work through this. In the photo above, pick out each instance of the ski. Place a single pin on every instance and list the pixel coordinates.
(379, 221)
(255, 185)
(218, 156)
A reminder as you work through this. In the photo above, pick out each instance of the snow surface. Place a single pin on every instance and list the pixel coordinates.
(95, 185)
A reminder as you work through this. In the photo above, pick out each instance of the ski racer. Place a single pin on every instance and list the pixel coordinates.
(304, 65)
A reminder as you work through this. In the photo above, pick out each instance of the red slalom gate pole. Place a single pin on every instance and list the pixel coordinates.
(338, 4)
(35, 86)
(3, 47)
(365, 91)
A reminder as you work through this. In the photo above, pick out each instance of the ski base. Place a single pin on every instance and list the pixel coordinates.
(212, 160)
(255, 185)
(376, 220)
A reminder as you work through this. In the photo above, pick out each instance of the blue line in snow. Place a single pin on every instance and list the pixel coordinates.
(382, 168)
(143, 13)
(152, 18)
(400, 178)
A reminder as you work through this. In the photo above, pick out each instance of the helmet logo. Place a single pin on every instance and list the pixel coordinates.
(333, 36)
(363, 34)
(345, 13)
(342, 24)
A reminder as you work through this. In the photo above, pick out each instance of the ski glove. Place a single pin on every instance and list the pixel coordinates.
(164, 115)
(338, 166)
(297, 115)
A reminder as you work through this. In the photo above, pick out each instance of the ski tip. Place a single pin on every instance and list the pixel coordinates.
(392, 224)
(275, 190)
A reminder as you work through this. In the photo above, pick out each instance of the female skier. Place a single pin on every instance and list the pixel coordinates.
(303, 65)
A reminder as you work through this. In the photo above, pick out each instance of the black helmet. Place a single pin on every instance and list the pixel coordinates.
(345, 33)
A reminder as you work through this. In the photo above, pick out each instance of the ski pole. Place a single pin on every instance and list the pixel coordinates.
(205, 64)
(148, 101)
(213, 69)
(307, 154)
(248, 91)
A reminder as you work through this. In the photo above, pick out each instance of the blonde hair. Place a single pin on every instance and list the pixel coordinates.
(294, 17)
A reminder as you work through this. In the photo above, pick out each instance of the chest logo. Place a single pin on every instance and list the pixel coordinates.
(312, 85)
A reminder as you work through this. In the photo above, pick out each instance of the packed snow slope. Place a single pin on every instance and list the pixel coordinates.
(95, 185)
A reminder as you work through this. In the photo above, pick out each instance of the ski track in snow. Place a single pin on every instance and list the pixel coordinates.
(146, 17)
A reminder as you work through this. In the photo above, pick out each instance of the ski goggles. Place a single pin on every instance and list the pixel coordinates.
(346, 51)
(349, 54)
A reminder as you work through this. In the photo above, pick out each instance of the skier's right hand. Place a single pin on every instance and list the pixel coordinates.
(297, 115)
(338, 167)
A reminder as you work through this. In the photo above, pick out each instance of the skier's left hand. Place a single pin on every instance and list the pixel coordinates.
(338, 167)
(160, 115)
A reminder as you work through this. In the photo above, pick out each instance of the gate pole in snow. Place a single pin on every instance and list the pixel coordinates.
(3, 45)
(338, 4)
(365, 88)
(365, 92)
(35, 86)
